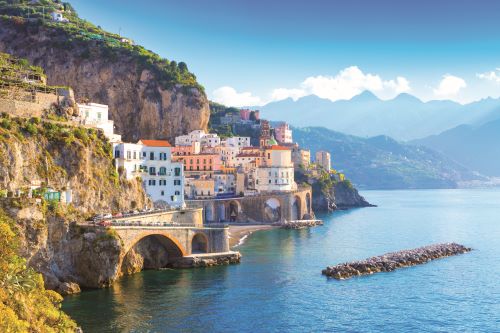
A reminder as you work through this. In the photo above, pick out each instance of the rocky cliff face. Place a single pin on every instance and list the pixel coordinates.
(139, 103)
(60, 156)
(340, 195)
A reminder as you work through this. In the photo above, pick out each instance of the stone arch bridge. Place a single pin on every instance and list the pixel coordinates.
(264, 208)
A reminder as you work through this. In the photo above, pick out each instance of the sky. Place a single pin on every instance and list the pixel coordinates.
(252, 52)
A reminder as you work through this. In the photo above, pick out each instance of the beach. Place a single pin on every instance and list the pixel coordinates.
(239, 233)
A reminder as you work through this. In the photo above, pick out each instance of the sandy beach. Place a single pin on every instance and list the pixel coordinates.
(239, 233)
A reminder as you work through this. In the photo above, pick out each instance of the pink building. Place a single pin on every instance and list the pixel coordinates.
(200, 162)
(193, 149)
(245, 114)
(283, 133)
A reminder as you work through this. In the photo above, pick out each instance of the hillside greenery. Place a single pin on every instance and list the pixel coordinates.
(25, 305)
(24, 13)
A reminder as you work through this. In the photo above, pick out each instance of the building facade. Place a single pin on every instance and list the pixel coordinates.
(151, 160)
(96, 115)
(323, 159)
(283, 133)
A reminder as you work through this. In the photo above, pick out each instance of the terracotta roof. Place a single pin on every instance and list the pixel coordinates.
(276, 147)
(155, 143)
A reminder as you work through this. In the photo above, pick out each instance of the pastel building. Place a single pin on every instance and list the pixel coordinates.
(283, 133)
(151, 160)
(276, 171)
(205, 139)
(96, 115)
(323, 159)
(237, 141)
(301, 157)
(198, 163)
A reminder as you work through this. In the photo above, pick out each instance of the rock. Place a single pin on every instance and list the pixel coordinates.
(392, 261)
(68, 288)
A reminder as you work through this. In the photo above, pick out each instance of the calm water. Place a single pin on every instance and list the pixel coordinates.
(279, 287)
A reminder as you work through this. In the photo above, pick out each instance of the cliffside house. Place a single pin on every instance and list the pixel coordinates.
(151, 160)
(283, 133)
(276, 173)
(58, 17)
(96, 115)
(205, 139)
(323, 159)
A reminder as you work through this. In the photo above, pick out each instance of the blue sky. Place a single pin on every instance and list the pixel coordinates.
(252, 52)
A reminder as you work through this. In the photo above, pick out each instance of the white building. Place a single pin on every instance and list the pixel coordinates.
(58, 17)
(276, 171)
(205, 139)
(163, 180)
(323, 159)
(96, 115)
(237, 141)
(225, 183)
(283, 133)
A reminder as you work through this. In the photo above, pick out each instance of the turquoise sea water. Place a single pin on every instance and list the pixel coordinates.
(278, 287)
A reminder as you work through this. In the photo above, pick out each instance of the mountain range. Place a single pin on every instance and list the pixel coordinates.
(403, 118)
(384, 163)
(476, 147)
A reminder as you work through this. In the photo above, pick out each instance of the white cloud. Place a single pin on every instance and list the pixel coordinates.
(449, 86)
(490, 76)
(348, 83)
(230, 97)
(284, 93)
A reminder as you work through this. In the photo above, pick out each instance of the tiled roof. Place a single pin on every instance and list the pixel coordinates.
(276, 147)
(155, 143)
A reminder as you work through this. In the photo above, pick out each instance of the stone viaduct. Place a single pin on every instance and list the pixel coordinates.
(262, 208)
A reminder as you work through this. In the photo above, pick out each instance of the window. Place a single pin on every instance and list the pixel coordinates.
(152, 171)
(177, 172)
(151, 156)
(269, 173)
(198, 167)
(269, 181)
(128, 155)
(144, 154)
(177, 182)
(276, 181)
(162, 193)
(172, 198)
(163, 171)
(99, 115)
(135, 155)
(152, 182)
(268, 155)
(117, 154)
(177, 193)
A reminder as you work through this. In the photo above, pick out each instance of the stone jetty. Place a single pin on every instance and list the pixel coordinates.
(391, 261)
(299, 224)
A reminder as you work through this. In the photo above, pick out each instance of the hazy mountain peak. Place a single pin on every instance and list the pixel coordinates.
(365, 96)
(405, 97)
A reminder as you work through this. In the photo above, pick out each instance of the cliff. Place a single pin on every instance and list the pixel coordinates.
(329, 193)
(149, 97)
(56, 155)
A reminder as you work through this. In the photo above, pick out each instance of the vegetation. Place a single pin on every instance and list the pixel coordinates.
(25, 305)
(93, 38)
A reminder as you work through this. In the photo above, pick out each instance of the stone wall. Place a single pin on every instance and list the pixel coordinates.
(41, 102)
(190, 216)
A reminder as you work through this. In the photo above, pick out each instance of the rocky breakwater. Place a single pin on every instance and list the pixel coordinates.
(301, 224)
(208, 259)
(391, 261)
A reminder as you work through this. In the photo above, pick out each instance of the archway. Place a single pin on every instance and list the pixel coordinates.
(234, 210)
(308, 203)
(152, 251)
(221, 212)
(209, 212)
(199, 244)
(296, 209)
(272, 210)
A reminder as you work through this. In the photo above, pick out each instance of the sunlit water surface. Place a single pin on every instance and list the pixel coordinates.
(278, 287)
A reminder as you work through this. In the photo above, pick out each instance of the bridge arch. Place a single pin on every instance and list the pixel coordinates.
(234, 208)
(199, 243)
(272, 210)
(296, 208)
(150, 250)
